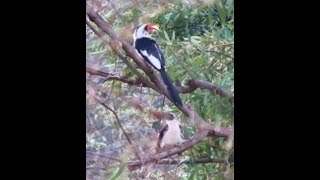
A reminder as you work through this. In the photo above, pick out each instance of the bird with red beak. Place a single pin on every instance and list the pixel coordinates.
(148, 48)
(151, 27)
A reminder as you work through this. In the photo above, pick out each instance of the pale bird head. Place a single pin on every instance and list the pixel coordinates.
(144, 30)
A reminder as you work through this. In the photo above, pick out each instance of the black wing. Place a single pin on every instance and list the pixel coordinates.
(161, 134)
(152, 48)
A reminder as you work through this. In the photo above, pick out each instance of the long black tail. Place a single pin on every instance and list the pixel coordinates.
(171, 89)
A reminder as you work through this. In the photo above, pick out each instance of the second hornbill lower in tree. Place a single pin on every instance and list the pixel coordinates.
(170, 134)
(150, 51)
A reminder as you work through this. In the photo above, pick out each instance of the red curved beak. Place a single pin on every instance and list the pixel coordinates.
(152, 27)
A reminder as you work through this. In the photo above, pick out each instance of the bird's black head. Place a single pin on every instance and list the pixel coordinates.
(169, 116)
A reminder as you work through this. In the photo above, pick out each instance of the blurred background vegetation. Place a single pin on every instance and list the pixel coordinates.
(197, 41)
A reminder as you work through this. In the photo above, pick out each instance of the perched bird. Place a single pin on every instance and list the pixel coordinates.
(170, 134)
(148, 48)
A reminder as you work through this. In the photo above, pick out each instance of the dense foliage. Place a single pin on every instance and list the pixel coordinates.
(197, 42)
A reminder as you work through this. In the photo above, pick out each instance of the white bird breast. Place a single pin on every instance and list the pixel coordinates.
(172, 136)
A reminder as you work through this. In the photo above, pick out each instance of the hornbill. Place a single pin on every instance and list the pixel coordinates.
(170, 134)
(148, 48)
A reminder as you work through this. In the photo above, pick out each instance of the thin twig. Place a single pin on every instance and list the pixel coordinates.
(227, 44)
(110, 76)
(102, 8)
(195, 161)
(180, 61)
(108, 157)
(95, 168)
(219, 53)
(119, 123)
(212, 51)
(116, 116)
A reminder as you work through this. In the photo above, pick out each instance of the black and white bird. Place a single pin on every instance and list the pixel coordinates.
(148, 48)
(170, 134)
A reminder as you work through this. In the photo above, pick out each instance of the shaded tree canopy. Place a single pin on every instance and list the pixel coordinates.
(127, 99)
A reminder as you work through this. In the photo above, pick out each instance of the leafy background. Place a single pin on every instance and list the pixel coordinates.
(197, 41)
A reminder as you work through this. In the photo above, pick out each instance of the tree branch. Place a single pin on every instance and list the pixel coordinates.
(137, 165)
(220, 132)
(194, 84)
(110, 76)
(182, 147)
(116, 116)
(108, 157)
(121, 127)
(195, 161)
(219, 45)
(95, 168)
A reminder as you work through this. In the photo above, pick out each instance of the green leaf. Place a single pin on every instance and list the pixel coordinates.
(166, 35)
(176, 17)
(222, 14)
(195, 39)
(136, 12)
(173, 36)
(192, 175)
(206, 100)
(117, 172)
(167, 17)
(227, 33)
